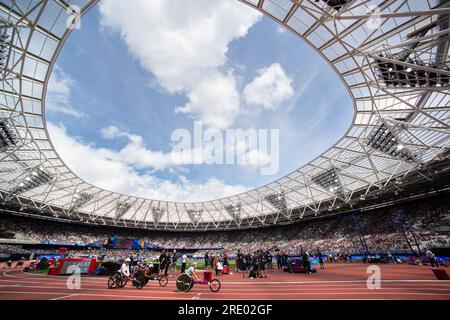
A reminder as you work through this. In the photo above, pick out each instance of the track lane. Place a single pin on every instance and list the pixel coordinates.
(336, 282)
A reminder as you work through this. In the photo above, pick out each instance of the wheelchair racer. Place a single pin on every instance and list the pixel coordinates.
(191, 271)
(124, 269)
(150, 271)
(140, 277)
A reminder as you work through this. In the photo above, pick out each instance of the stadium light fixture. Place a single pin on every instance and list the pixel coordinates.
(422, 75)
(278, 201)
(329, 180)
(3, 50)
(234, 211)
(195, 215)
(4, 47)
(8, 135)
(121, 209)
(79, 200)
(335, 4)
(403, 69)
(35, 178)
(382, 139)
(157, 214)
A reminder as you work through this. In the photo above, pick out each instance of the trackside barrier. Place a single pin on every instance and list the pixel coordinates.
(87, 267)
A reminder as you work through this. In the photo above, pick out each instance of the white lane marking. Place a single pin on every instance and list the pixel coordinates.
(90, 279)
(230, 290)
(65, 297)
(6, 274)
(101, 282)
(329, 282)
(208, 298)
(11, 286)
(92, 295)
(249, 287)
(197, 297)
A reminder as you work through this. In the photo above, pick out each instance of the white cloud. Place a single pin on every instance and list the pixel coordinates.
(270, 88)
(111, 132)
(255, 160)
(58, 94)
(214, 100)
(178, 46)
(136, 154)
(281, 29)
(107, 169)
(185, 49)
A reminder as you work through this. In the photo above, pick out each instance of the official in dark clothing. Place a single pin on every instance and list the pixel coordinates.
(240, 264)
(169, 261)
(248, 261)
(163, 261)
(322, 264)
(306, 262)
(206, 260)
(279, 262)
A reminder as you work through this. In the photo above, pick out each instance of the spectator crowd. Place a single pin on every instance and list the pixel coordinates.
(425, 223)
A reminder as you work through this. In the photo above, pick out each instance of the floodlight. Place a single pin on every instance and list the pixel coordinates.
(4, 44)
(278, 201)
(8, 135)
(336, 4)
(329, 180)
(157, 214)
(234, 211)
(403, 69)
(381, 138)
(36, 177)
(79, 200)
(195, 215)
(121, 209)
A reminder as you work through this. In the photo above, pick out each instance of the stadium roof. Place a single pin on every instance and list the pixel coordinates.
(392, 55)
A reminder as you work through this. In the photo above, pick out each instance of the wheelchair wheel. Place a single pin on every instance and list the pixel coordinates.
(115, 281)
(215, 285)
(122, 282)
(112, 281)
(139, 284)
(184, 283)
(163, 281)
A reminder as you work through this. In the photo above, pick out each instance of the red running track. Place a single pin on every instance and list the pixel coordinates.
(338, 281)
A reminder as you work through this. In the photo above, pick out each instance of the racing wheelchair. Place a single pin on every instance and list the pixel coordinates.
(185, 282)
(117, 280)
(141, 279)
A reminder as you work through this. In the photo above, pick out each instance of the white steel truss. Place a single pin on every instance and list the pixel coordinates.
(392, 55)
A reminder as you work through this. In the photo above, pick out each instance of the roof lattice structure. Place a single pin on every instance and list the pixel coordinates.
(397, 74)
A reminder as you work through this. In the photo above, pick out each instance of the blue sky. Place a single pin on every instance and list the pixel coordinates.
(118, 92)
